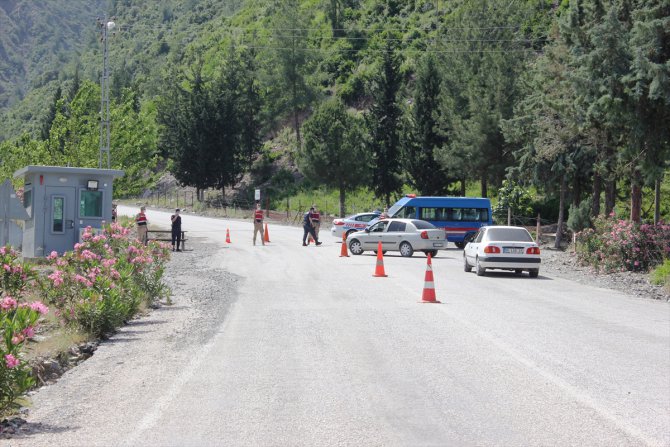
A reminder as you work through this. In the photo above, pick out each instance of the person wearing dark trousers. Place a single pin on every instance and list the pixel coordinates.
(309, 228)
(176, 229)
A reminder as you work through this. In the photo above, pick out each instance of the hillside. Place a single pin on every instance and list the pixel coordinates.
(439, 95)
(38, 41)
(52, 42)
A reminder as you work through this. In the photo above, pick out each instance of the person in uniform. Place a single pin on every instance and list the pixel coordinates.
(316, 220)
(176, 229)
(309, 228)
(114, 212)
(258, 223)
(141, 222)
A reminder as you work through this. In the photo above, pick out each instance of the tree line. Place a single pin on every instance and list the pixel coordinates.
(570, 98)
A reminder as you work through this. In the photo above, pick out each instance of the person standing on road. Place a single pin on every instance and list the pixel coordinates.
(316, 220)
(176, 229)
(142, 222)
(258, 223)
(309, 228)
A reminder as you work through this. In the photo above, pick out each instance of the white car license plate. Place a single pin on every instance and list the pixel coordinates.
(438, 244)
(513, 250)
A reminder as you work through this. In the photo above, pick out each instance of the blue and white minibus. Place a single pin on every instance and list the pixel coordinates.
(461, 217)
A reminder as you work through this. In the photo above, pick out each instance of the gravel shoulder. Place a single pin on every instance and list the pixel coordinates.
(564, 264)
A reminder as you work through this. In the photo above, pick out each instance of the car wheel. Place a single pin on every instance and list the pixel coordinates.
(479, 270)
(518, 272)
(355, 247)
(459, 245)
(534, 272)
(432, 253)
(406, 249)
(466, 267)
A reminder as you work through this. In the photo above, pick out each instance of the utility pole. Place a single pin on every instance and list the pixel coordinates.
(105, 27)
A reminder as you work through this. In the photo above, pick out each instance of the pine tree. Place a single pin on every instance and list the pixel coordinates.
(334, 153)
(425, 133)
(383, 122)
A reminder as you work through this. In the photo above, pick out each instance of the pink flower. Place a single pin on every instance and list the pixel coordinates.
(82, 280)
(52, 255)
(39, 307)
(11, 361)
(56, 277)
(16, 339)
(8, 303)
(7, 268)
(29, 332)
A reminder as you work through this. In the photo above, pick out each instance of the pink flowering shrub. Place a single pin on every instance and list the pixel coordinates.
(106, 278)
(618, 245)
(18, 321)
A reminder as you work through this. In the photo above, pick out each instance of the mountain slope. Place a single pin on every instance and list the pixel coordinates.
(38, 38)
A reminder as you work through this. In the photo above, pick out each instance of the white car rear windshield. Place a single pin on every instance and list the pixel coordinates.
(508, 234)
(423, 225)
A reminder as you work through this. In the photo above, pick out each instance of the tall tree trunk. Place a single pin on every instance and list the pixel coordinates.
(576, 191)
(342, 196)
(610, 182)
(484, 187)
(198, 194)
(610, 196)
(657, 201)
(597, 191)
(463, 187)
(636, 197)
(561, 213)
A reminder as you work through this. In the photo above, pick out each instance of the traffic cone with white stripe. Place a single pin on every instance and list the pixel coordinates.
(379, 269)
(343, 251)
(228, 236)
(428, 295)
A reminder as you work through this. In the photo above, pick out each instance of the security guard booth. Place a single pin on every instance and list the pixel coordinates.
(61, 202)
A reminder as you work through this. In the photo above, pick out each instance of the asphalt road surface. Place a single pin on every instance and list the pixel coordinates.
(310, 349)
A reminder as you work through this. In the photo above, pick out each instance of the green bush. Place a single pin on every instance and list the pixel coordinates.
(106, 279)
(618, 245)
(18, 322)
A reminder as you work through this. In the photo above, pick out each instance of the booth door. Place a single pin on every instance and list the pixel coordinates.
(59, 231)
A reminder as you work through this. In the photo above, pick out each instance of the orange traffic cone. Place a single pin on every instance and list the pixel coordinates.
(429, 285)
(343, 252)
(266, 237)
(228, 236)
(310, 240)
(379, 270)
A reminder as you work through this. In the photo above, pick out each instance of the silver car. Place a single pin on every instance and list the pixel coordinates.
(403, 235)
(504, 248)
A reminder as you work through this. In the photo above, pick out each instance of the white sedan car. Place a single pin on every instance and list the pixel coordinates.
(503, 248)
(351, 224)
(403, 235)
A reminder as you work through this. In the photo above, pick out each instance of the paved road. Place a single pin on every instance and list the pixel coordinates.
(315, 351)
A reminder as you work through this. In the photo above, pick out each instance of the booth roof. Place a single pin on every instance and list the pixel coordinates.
(67, 170)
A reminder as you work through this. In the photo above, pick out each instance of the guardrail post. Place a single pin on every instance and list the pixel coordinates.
(538, 230)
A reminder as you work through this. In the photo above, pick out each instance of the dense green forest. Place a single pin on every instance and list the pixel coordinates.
(569, 98)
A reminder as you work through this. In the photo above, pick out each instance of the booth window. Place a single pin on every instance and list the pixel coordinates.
(90, 204)
(57, 209)
(28, 201)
